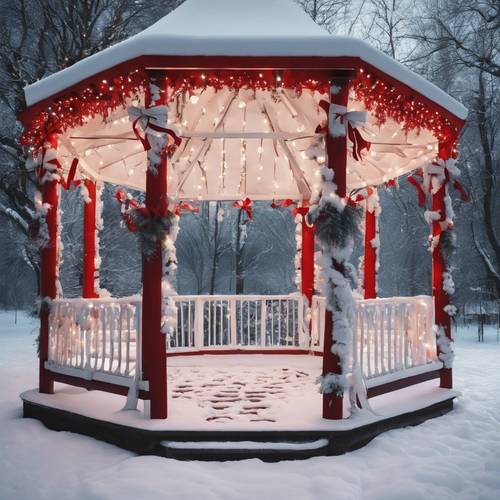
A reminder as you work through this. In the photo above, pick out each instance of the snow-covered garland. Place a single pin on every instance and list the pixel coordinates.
(152, 227)
(336, 226)
(442, 173)
(169, 258)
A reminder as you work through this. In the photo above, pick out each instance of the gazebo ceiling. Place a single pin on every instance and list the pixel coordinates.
(259, 144)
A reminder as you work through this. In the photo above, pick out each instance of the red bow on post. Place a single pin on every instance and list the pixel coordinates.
(440, 169)
(246, 206)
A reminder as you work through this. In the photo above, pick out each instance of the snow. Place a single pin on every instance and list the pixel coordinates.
(456, 456)
(240, 393)
(237, 28)
(244, 445)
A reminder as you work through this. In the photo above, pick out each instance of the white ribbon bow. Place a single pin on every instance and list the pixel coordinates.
(156, 115)
(339, 119)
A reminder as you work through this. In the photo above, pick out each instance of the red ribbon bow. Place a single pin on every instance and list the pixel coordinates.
(145, 141)
(283, 203)
(245, 205)
(185, 207)
(146, 123)
(418, 184)
(303, 211)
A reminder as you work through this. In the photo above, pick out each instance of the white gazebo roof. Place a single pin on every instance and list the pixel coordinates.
(239, 143)
(256, 28)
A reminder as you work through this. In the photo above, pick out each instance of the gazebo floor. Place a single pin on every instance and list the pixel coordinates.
(236, 406)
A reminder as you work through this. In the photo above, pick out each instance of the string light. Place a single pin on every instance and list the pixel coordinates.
(101, 98)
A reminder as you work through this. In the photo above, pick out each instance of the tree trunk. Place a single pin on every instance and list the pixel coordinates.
(489, 183)
(240, 279)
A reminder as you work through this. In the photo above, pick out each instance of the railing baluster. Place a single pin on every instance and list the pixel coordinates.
(263, 321)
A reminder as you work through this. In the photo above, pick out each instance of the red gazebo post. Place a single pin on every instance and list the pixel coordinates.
(336, 150)
(154, 359)
(441, 298)
(370, 251)
(89, 242)
(48, 269)
(307, 259)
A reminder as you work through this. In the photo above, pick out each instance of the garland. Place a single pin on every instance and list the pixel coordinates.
(75, 109)
(100, 98)
(336, 225)
(152, 225)
(441, 174)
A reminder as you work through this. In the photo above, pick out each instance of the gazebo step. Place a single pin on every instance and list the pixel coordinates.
(234, 450)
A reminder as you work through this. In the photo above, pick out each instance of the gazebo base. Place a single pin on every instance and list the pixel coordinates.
(236, 407)
(228, 445)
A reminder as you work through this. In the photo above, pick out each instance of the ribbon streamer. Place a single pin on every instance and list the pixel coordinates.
(149, 120)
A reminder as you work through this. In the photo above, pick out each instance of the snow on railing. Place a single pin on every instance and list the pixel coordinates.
(96, 338)
(239, 321)
(390, 335)
(100, 338)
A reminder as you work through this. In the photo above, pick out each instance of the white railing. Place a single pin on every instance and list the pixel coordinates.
(239, 321)
(100, 338)
(96, 339)
(390, 335)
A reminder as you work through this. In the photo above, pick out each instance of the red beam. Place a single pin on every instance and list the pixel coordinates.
(441, 299)
(93, 385)
(244, 351)
(307, 261)
(316, 66)
(401, 383)
(89, 246)
(370, 257)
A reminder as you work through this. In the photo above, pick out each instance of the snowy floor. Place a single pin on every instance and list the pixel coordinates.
(455, 456)
(244, 393)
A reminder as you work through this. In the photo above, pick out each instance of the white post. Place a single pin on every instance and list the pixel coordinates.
(199, 323)
(263, 323)
(233, 323)
(303, 331)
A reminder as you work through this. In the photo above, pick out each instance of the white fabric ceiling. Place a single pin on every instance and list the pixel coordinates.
(266, 147)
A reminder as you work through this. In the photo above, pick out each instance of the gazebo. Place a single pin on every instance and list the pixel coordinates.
(242, 102)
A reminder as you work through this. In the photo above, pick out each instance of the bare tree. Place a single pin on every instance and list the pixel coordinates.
(327, 13)
(39, 37)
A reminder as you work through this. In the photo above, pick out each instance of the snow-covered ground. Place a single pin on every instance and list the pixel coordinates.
(453, 457)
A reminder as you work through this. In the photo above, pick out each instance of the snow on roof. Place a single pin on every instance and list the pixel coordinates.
(237, 28)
